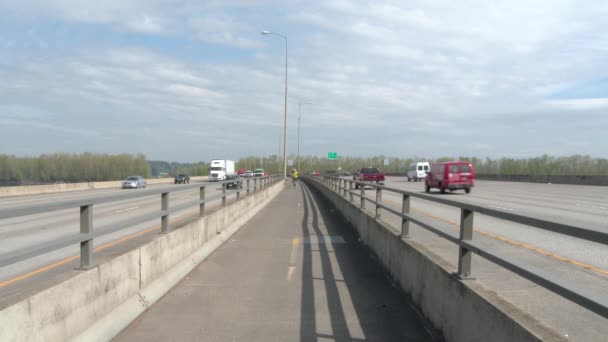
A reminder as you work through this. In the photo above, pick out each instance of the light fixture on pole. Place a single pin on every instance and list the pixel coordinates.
(299, 114)
(285, 116)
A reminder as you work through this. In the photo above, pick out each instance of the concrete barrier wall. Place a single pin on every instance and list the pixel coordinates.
(52, 188)
(461, 310)
(98, 303)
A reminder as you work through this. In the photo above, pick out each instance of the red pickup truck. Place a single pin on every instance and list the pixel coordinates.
(369, 174)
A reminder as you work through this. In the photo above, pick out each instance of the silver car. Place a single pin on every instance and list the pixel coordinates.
(134, 182)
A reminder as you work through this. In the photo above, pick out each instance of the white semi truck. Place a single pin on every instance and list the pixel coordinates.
(221, 169)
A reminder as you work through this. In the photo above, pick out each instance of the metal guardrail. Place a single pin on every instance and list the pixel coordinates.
(87, 234)
(595, 302)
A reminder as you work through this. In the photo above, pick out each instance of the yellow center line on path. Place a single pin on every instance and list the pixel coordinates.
(293, 257)
(97, 249)
(516, 243)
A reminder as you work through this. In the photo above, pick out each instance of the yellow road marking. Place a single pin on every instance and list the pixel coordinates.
(100, 248)
(520, 244)
(293, 258)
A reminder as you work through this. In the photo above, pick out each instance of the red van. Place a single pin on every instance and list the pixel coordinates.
(451, 176)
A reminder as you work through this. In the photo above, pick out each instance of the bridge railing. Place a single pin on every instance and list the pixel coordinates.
(87, 234)
(467, 246)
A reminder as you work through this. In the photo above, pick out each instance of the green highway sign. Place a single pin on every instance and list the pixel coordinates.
(332, 155)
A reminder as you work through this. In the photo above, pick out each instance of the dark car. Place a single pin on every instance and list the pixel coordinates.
(331, 173)
(182, 178)
(369, 174)
(234, 181)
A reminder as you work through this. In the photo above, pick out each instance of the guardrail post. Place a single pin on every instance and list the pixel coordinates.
(350, 188)
(255, 184)
(239, 185)
(343, 181)
(86, 227)
(223, 194)
(164, 207)
(247, 187)
(405, 223)
(201, 206)
(378, 200)
(362, 206)
(465, 256)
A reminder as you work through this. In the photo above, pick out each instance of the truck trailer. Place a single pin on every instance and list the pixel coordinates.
(220, 169)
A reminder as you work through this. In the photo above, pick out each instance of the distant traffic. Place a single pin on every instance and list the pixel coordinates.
(444, 176)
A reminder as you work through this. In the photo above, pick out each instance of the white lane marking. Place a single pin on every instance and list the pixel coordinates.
(502, 208)
(121, 210)
(591, 206)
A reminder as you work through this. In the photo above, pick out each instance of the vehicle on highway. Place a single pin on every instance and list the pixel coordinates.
(235, 182)
(248, 174)
(240, 172)
(417, 171)
(134, 182)
(258, 173)
(182, 178)
(369, 174)
(220, 168)
(331, 173)
(451, 176)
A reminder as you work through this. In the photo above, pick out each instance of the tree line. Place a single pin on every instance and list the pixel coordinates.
(65, 167)
(159, 168)
(89, 167)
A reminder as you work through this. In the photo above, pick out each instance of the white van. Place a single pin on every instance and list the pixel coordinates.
(417, 171)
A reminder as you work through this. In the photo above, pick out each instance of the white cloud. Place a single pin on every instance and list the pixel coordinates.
(579, 104)
(146, 24)
(391, 72)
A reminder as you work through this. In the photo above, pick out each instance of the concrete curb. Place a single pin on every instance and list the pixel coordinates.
(120, 318)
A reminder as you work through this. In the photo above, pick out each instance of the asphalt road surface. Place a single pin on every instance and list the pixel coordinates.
(31, 230)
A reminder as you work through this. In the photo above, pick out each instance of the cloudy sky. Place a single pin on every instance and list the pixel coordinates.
(195, 80)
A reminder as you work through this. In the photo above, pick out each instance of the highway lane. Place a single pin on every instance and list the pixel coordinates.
(32, 199)
(21, 232)
(556, 203)
(579, 205)
(579, 263)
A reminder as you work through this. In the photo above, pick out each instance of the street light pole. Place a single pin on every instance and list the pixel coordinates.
(285, 115)
(299, 114)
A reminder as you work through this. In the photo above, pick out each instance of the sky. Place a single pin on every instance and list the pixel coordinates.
(195, 80)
